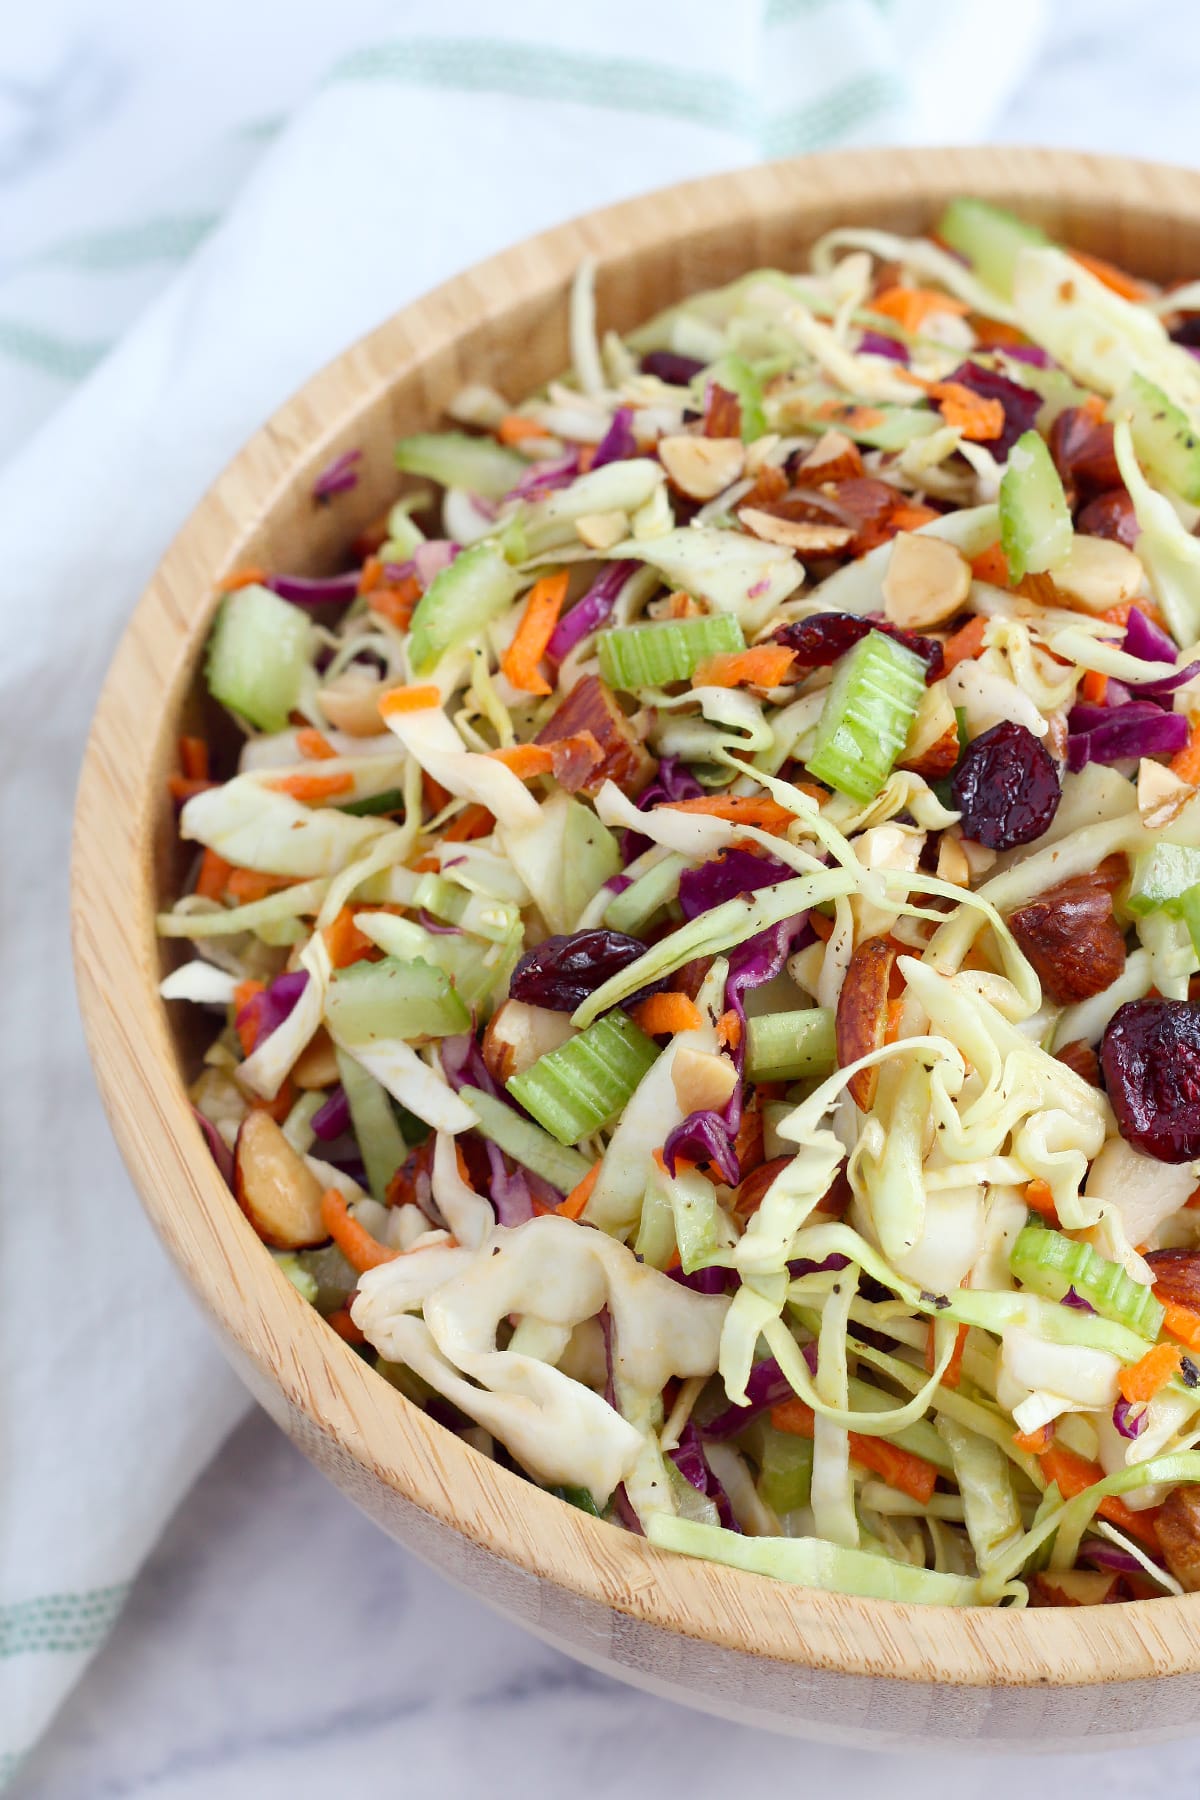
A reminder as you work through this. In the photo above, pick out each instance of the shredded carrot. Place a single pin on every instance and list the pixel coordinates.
(977, 418)
(767, 665)
(1145, 1378)
(1093, 687)
(515, 427)
(247, 1029)
(193, 758)
(520, 661)
(184, 787)
(729, 1029)
(991, 565)
(1182, 1323)
(899, 1468)
(278, 1108)
(314, 745)
(433, 793)
(1039, 1199)
(473, 822)
(965, 644)
(739, 809)
(994, 334)
(309, 788)
(344, 1325)
(822, 925)
(214, 873)
(910, 307)
(665, 1013)
(1193, 1200)
(911, 516)
(1128, 286)
(355, 1242)
(396, 601)
(240, 578)
(1034, 1442)
(895, 1012)
(954, 1367)
(248, 885)
(345, 943)
(852, 416)
(370, 575)
(525, 760)
(1186, 763)
(408, 699)
(577, 1199)
(1074, 1474)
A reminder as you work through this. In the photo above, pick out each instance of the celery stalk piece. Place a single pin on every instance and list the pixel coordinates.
(460, 602)
(633, 909)
(526, 1143)
(864, 724)
(735, 375)
(1163, 436)
(790, 1046)
(990, 238)
(390, 801)
(455, 460)
(1161, 877)
(379, 1136)
(1189, 911)
(495, 920)
(1049, 1263)
(258, 656)
(1035, 520)
(641, 656)
(373, 1002)
(785, 1469)
(879, 427)
(584, 1084)
(304, 1283)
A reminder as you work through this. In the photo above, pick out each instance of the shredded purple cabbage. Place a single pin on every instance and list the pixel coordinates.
(315, 590)
(618, 441)
(1071, 1298)
(690, 1460)
(671, 367)
(1110, 1556)
(545, 477)
(765, 1385)
(831, 1265)
(429, 559)
(1129, 1421)
(510, 1193)
(725, 877)
(437, 927)
(673, 780)
(589, 613)
(268, 1010)
(1145, 640)
(874, 343)
(1112, 734)
(706, 1281)
(1033, 354)
(334, 1117)
(338, 476)
(1021, 405)
(463, 1066)
(222, 1155)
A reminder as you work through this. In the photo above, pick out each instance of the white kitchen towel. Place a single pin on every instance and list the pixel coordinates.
(415, 155)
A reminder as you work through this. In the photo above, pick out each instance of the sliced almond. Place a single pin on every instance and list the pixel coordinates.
(350, 702)
(518, 1034)
(1071, 1587)
(862, 1014)
(316, 1065)
(1161, 794)
(795, 534)
(1098, 573)
(600, 531)
(833, 456)
(760, 452)
(275, 1187)
(952, 864)
(702, 467)
(926, 581)
(703, 1082)
(933, 735)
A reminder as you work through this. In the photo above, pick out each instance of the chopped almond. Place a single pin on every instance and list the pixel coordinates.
(316, 1066)
(952, 864)
(1097, 573)
(600, 531)
(926, 581)
(932, 746)
(794, 534)
(702, 467)
(350, 702)
(518, 1034)
(1161, 794)
(862, 1013)
(703, 1082)
(834, 457)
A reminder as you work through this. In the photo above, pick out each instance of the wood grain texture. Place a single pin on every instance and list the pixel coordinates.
(735, 1644)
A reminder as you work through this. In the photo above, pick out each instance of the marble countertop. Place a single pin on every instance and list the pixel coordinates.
(276, 1644)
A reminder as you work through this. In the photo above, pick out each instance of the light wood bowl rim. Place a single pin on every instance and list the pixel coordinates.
(113, 904)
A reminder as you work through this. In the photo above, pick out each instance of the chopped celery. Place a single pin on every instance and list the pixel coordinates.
(989, 237)
(335, 1277)
(380, 1139)
(785, 1469)
(735, 375)
(791, 1045)
(1189, 910)
(470, 592)
(1049, 1264)
(455, 460)
(525, 1142)
(1035, 520)
(258, 656)
(633, 909)
(697, 1218)
(984, 1476)
(392, 999)
(580, 1497)
(495, 920)
(390, 801)
(864, 724)
(590, 855)
(1160, 877)
(301, 1279)
(1166, 443)
(639, 656)
(585, 1083)
(655, 1243)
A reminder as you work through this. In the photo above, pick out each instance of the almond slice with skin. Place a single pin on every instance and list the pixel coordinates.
(794, 534)
(862, 1014)
(702, 467)
(926, 581)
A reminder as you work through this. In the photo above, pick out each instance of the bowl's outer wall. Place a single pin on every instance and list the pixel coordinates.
(736, 1644)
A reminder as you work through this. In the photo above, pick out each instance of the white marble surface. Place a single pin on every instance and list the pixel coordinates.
(276, 1644)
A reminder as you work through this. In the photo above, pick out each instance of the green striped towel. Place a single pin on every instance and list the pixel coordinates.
(144, 350)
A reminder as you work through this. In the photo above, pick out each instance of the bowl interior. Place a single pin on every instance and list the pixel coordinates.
(505, 323)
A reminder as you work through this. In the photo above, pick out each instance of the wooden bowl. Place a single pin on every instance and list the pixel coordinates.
(823, 1665)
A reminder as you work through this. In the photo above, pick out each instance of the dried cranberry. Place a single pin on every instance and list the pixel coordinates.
(670, 367)
(819, 641)
(1187, 331)
(1151, 1061)
(1082, 448)
(1112, 516)
(1006, 787)
(562, 971)
(1021, 405)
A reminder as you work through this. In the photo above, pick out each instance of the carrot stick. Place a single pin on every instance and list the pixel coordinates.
(739, 809)
(662, 1013)
(1039, 1199)
(308, 788)
(1128, 286)
(370, 575)
(577, 1199)
(345, 943)
(1073, 1474)
(433, 793)
(1181, 1322)
(185, 787)
(899, 1468)
(214, 873)
(247, 1029)
(408, 699)
(344, 1325)
(729, 1029)
(965, 644)
(1186, 763)
(1093, 687)
(1034, 1442)
(248, 885)
(520, 661)
(910, 517)
(193, 758)
(910, 307)
(240, 578)
(355, 1242)
(314, 745)
(991, 565)
(473, 822)
(765, 666)
(975, 417)
(514, 428)
(1145, 1378)
(396, 601)
(525, 760)
(953, 1372)
(822, 926)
